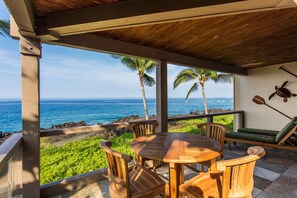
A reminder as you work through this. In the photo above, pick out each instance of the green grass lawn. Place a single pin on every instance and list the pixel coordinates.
(81, 156)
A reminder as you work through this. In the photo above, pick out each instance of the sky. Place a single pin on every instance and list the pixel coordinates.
(73, 73)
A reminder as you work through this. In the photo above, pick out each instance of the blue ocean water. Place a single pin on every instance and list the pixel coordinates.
(94, 111)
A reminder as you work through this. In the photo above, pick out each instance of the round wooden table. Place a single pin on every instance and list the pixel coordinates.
(177, 149)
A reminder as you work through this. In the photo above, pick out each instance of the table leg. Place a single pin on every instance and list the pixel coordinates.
(181, 174)
(176, 177)
(139, 159)
(213, 164)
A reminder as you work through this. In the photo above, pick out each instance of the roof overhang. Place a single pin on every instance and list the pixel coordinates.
(107, 24)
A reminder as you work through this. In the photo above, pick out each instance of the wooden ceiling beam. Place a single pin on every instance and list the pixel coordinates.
(144, 12)
(22, 13)
(102, 44)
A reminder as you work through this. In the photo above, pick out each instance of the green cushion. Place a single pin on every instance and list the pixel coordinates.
(285, 130)
(258, 131)
(251, 137)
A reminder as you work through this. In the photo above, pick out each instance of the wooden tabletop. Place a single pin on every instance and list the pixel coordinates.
(177, 147)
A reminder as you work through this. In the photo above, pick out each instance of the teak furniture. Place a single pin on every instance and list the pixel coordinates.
(233, 178)
(141, 129)
(214, 131)
(177, 149)
(135, 181)
(282, 139)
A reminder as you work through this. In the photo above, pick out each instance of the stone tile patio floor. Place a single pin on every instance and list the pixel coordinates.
(275, 176)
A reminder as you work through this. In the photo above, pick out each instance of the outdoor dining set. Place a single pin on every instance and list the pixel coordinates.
(215, 177)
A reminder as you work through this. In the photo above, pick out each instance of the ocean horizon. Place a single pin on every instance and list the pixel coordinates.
(98, 110)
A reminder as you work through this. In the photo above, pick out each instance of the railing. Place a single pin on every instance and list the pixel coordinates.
(116, 126)
(11, 166)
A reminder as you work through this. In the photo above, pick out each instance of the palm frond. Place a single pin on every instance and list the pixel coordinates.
(223, 78)
(211, 74)
(130, 62)
(148, 80)
(184, 76)
(191, 90)
(4, 28)
(150, 66)
(116, 56)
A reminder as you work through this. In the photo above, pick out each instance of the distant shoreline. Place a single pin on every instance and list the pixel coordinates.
(48, 99)
(107, 133)
(93, 111)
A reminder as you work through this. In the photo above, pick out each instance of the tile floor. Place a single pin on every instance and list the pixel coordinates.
(275, 176)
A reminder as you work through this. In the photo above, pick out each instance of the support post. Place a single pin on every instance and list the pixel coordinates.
(162, 99)
(209, 119)
(30, 54)
(241, 120)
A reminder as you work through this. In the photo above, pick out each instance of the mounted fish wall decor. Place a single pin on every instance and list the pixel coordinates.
(283, 92)
(282, 68)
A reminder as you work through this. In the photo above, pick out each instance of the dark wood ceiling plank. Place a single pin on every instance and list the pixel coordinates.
(132, 13)
(44, 7)
(247, 40)
(101, 44)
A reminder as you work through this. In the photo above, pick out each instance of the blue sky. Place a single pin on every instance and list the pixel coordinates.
(73, 73)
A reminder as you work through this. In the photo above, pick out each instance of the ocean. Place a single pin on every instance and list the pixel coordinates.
(93, 111)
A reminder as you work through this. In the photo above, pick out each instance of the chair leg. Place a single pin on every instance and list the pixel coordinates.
(154, 166)
(166, 193)
(229, 145)
(202, 168)
(140, 160)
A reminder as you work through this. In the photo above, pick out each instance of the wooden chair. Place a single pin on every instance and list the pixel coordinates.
(141, 129)
(233, 178)
(215, 131)
(135, 181)
(144, 128)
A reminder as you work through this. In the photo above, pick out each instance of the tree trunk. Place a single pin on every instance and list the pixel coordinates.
(143, 98)
(204, 98)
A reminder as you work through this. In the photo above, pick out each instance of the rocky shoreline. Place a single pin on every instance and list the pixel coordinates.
(108, 133)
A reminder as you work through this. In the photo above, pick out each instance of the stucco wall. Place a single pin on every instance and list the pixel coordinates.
(261, 81)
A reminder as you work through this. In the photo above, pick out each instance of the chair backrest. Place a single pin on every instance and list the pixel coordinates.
(214, 130)
(118, 175)
(287, 131)
(238, 173)
(141, 129)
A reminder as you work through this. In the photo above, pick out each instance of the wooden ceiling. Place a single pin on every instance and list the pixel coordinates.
(235, 33)
(246, 40)
(44, 7)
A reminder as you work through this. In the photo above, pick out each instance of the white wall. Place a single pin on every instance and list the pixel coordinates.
(261, 81)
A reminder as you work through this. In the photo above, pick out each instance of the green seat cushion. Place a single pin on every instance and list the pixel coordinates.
(258, 131)
(251, 137)
(285, 130)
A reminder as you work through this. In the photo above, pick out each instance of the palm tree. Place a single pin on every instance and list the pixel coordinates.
(142, 66)
(200, 76)
(4, 28)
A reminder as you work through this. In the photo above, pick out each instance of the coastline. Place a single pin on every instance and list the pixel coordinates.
(54, 112)
(106, 134)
